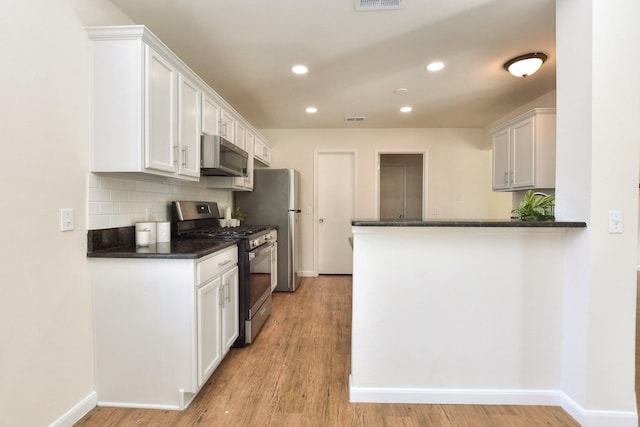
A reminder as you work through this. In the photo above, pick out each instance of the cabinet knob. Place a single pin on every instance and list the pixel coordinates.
(321, 220)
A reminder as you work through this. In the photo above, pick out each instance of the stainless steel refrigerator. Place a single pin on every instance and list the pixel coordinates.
(275, 200)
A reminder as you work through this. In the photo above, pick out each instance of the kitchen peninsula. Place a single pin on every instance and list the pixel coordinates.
(461, 312)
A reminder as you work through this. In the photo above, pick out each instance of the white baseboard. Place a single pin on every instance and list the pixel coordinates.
(592, 418)
(453, 396)
(307, 274)
(78, 411)
(586, 417)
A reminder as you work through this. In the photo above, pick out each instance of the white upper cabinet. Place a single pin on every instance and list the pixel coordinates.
(142, 106)
(148, 109)
(240, 135)
(524, 152)
(210, 116)
(227, 126)
(262, 152)
(246, 182)
(160, 112)
(189, 127)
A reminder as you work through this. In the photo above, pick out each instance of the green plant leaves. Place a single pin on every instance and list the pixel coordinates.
(536, 207)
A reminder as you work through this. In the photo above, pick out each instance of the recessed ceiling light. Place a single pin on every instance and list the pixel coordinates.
(435, 66)
(299, 69)
(401, 91)
(406, 109)
(311, 110)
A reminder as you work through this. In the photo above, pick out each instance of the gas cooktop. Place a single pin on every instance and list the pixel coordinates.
(219, 232)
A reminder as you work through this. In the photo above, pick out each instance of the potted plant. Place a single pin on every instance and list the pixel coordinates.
(238, 215)
(535, 207)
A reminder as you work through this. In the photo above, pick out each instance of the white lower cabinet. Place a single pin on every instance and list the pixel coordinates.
(162, 326)
(230, 309)
(217, 308)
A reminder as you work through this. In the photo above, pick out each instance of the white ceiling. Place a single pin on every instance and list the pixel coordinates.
(244, 49)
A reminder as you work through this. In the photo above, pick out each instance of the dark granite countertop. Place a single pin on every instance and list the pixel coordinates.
(467, 223)
(179, 249)
(120, 243)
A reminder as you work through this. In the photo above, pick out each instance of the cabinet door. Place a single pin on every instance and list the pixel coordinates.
(160, 112)
(523, 154)
(246, 182)
(227, 126)
(501, 178)
(267, 154)
(258, 149)
(188, 127)
(230, 310)
(240, 135)
(210, 116)
(209, 342)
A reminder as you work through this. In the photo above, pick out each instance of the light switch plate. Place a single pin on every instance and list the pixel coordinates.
(615, 222)
(66, 219)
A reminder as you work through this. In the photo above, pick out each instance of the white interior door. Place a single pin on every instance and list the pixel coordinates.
(335, 195)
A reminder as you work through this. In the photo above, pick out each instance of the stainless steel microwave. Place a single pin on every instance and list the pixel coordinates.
(220, 157)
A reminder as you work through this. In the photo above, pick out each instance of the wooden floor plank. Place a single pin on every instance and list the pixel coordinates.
(296, 374)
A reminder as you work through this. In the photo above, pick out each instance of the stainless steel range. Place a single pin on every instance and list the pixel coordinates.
(256, 260)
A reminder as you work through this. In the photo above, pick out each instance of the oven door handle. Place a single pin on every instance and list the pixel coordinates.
(266, 248)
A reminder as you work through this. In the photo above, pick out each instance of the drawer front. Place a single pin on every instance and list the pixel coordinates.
(216, 264)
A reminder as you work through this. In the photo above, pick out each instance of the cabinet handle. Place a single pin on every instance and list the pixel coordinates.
(512, 177)
(228, 291)
(506, 177)
(222, 296)
(184, 156)
(225, 262)
(175, 155)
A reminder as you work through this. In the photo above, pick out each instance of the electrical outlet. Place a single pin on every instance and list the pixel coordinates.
(66, 219)
(615, 222)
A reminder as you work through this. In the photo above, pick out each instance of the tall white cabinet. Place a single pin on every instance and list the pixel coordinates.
(524, 152)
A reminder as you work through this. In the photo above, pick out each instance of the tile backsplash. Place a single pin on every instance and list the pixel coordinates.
(118, 202)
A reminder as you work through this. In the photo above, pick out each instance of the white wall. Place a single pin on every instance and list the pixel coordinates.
(46, 361)
(597, 171)
(548, 100)
(459, 170)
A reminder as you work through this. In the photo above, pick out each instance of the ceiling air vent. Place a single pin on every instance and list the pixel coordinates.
(378, 4)
(355, 119)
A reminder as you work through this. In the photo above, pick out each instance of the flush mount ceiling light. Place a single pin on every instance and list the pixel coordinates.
(525, 65)
(311, 110)
(406, 109)
(299, 69)
(435, 66)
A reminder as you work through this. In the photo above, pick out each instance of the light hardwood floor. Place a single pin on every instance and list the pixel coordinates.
(296, 374)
